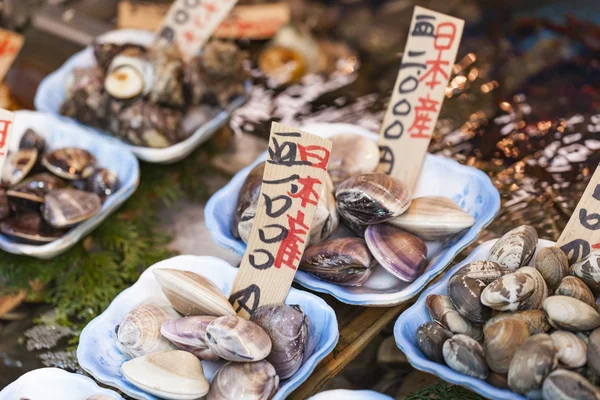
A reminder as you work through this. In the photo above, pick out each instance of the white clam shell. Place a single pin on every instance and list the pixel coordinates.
(443, 311)
(570, 349)
(236, 339)
(465, 355)
(588, 270)
(245, 381)
(509, 292)
(571, 314)
(351, 154)
(515, 248)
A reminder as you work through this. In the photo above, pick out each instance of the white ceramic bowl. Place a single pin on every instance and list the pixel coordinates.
(99, 356)
(61, 132)
(53, 384)
(468, 187)
(51, 94)
(343, 394)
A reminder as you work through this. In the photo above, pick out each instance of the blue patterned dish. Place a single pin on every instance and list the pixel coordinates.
(61, 132)
(54, 384)
(99, 356)
(51, 94)
(342, 394)
(470, 188)
(409, 321)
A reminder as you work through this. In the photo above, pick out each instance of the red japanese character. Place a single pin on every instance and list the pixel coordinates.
(307, 193)
(444, 37)
(7, 47)
(4, 132)
(312, 152)
(189, 36)
(210, 8)
(420, 127)
(289, 251)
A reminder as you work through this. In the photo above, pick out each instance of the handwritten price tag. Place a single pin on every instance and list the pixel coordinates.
(10, 45)
(294, 173)
(418, 94)
(260, 21)
(6, 125)
(582, 233)
(190, 23)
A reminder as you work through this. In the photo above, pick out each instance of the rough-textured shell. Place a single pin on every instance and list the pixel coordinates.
(189, 334)
(574, 287)
(531, 363)
(249, 193)
(465, 355)
(401, 253)
(139, 332)
(588, 270)
(515, 248)
(465, 294)
(553, 264)
(433, 218)
(501, 341)
(431, 337)
(567, 385)
(593, 351)
(535, 319)
(571, 314)
(69, 162)
(248, 381)
(570, 349)
(351, 154)
(30, 227)
(176, 375)
(192, 294)
(64, 208)
(486, 271)
(18, 165)
(236, 339)
(371, 198)
(443, 311)
(509, 292)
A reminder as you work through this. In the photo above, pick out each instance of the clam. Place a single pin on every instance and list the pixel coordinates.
(101, 181)
(402, 254)
(571, 314)
(465, 294)
(515, 248)
(130, 74)
(248, 381)
(535, 319)
(4, 204)
(69, 162)
(29, 227)
(189, 334)
(486, 271)
(344, 261)
(100, 397)
(175, 374)
(244, 228)
(567, 385)
(574, 287)
(326, 219)
(501, 341)
(289, 330)
(593, 352)
(540, 293)
(139, 332)
(167, 82)
(508, 293)
(531, 363)
(498, 380)
(192, 294)
(443, 311)
(588, 270)
(570, 349)
(553, 264)
(18, 165)
(236, 339)
(465, 355)
(31, 140)
(248, 195)
(431, 337)
(433, 218)
(371, 198)
(351, 154)
(64, 208)
(29, 194)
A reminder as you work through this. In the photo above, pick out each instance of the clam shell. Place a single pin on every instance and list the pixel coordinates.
(102, 181)
(515, 248)
(443, 311)
(570, 349)
(30, 228)
(344, 261)
(4, 205)
(371, 198)
(18, 165)
(574, 287)
(567, 385)
(588, 270)
(593, 352)
(508, 293)
(64, 208)
(486, 271)
(175, 375)
(531, 363)
(139, 332)
(570, 314)
(100, 397)
(433, 218)
(465, 355)
(249, 193)
(189, 334)
(248, 381)
(540, 293)
(192, 294)
(553, 264)
(400, 253)
(501, 341)
(69, 162)
(535, 319)
(465, 294)
(431, 337)
(289, 330)
(236, 339)
(31, 140)
(29, 194)
(351, 154)
(244, 228)
(498, 380)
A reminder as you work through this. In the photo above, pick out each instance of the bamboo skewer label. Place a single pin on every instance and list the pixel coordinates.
(581, 236)
(6, 124)
(419, 91)
(10, 45)
(292, 182)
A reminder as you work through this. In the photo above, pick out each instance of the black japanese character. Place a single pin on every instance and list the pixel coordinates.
(247, 299)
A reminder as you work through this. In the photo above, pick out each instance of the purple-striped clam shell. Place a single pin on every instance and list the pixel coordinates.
(189, 334)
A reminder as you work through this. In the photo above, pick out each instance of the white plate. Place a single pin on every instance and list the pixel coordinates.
(61, 132)
(51, 94)
(343, 394)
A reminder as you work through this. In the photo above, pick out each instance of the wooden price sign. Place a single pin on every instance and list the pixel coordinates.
(259, 21)
(292, 182)
(418, 94)
(10, 45)
(582, 233)
(6, 123)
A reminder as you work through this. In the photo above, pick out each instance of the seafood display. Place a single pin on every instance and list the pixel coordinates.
(44, 192)
(524, 323)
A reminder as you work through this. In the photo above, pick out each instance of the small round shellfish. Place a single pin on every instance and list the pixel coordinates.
(501, 341)
(64, 208)
(465, 355)
(568, 385)
(515, 248)
(443, 311)
(249, 380)
(531, 363)
(236, 339)
(189, 334)
(588, 270)
(535, 319)
(431, 337)
(570, 349)
(69, 162)
(553, 264)
(465, 294)
(351, 154)
(571, 314)
(574, 287)
(593, 351)
(509, 292)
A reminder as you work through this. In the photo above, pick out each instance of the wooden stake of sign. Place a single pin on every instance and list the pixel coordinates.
(292, 183)
(10, 45)
(6, 124)
(420, 88)
(582, 233)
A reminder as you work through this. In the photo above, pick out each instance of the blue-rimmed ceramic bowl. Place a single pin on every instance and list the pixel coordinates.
(61, 132)
(51, 94)
(470, 188)
(54, 384)
(343, 394)
(409, 321)
(99, 356)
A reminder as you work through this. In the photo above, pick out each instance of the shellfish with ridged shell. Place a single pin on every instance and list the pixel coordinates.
(515, 248)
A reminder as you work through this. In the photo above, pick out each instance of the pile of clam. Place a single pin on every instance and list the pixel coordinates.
(167, 341)
(373, 206)
(45, 192)
(530, 326)
(151, 97)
